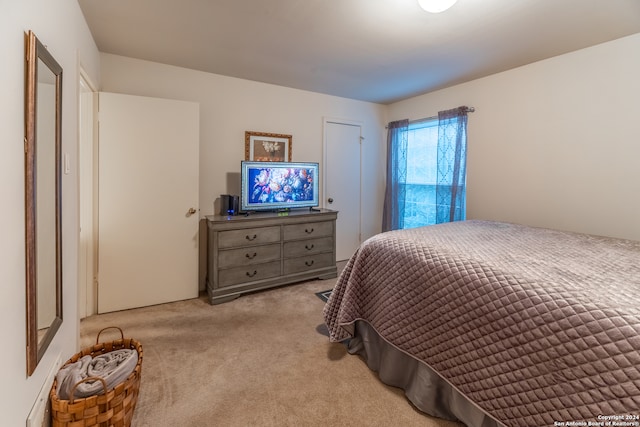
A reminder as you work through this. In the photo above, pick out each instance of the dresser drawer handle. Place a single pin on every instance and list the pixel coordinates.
(306, 230)
(308, 263)
(252, 274)
(250, 238)
(251, 256)
(308, 247)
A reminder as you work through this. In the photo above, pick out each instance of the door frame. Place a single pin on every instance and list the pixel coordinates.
(347, 122)
(87, 211)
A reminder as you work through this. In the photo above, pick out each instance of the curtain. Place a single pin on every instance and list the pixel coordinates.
(394, 196)
(452, 165)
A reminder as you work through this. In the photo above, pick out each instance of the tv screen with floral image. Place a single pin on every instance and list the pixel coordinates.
(278, 185)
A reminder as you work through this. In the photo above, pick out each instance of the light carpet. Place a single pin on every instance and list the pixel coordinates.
(261, 360)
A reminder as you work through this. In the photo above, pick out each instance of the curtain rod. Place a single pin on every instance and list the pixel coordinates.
(468, 110)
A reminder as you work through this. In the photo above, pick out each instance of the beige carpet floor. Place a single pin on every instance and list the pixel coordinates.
(261, 360)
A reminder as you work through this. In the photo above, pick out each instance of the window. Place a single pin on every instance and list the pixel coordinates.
(426, 171)
(420, 185)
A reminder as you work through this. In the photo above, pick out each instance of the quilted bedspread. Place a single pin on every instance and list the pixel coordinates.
(538, 327)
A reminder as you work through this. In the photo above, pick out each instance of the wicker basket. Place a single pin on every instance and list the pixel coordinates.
(113, 407)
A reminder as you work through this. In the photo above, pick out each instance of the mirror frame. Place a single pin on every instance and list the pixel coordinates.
(35, 51)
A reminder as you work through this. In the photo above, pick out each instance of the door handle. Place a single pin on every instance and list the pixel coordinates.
(330, 200)
(190, 212)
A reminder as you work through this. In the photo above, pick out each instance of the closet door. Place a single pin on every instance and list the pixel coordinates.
(148, 201)
(342, 182)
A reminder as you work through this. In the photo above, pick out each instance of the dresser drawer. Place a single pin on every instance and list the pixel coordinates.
(298, 248)
(308, 230)
(248, 236)
(250, 273)
(248, 255)
(312, 262)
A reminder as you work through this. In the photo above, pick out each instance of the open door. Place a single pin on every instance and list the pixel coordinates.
(148, 201)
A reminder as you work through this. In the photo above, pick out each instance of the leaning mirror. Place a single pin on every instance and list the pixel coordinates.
(43, 119)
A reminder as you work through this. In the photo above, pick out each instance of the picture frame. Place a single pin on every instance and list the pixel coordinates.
(267, 147)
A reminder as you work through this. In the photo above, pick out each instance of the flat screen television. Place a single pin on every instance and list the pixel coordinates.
(273, 186)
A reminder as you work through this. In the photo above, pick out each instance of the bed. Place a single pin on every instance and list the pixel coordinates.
(495, 324)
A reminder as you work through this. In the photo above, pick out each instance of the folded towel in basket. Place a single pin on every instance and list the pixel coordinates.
(113, 367)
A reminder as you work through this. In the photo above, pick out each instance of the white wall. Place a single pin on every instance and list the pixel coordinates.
(59, 24)
(554, 143)
(231, 106)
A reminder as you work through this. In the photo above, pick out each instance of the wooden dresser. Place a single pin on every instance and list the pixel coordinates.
(263, 250)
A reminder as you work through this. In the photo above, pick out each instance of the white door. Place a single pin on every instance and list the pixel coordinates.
(148, 192)
(342, 141)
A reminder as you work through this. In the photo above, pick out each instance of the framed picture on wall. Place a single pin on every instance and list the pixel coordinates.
(267, 147)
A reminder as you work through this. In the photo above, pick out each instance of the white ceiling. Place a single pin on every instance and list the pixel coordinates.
(372, 50)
